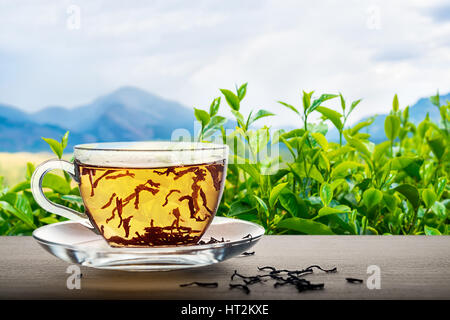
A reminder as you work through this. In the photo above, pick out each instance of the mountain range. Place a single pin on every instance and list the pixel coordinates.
(129, 114)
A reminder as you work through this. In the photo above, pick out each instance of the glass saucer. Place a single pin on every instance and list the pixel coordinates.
(74, 243)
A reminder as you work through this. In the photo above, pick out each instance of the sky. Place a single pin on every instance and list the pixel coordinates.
(68, 53)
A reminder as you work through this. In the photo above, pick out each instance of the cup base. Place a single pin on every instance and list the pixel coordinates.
(74, 243)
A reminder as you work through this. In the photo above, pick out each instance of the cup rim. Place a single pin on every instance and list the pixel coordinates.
(176, 146)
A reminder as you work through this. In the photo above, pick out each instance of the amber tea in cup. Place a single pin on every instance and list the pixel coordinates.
(143, 194)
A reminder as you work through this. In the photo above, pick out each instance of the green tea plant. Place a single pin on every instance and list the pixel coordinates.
(311, 186)
(355, 187)
(20, 214)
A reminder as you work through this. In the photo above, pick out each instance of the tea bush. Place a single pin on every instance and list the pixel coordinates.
(20, 214)
(313, 186)
(352, 187)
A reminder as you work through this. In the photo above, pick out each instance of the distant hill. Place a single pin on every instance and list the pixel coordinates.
(127, 114)
(26, 135)
(12, 113)
(417, 113)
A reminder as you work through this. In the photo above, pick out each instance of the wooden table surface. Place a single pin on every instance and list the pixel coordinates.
(414, 267)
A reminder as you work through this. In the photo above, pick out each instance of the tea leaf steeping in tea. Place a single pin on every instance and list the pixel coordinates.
(151, 206)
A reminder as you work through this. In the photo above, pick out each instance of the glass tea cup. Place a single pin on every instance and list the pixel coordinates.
(142, 194)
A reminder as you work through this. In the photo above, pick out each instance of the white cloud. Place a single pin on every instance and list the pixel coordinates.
(185, 51)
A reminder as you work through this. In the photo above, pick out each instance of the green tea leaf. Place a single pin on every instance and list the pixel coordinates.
(23, 216)
(242, 91)
(354, 104)
(411, 165)
(202, 116)
(9, 197)
(333, 116)
(372, 197)
(361, 125)
(321, 140)
(429, 197)
(335, 154)
(293, 204)
(306, 99)
(55, 146)
(275, 193)
(358, 145)
(406, 114)
(298, 143)
(64, 140)
(258, 139)
(239, 118)
(311, 171)
(411, 193)
(390, 202)
(316, 103)
(363, 185)
(252, 170)
(24, 185)
(296, 133)
(345, 168)
(48, 220)
(439, 210)
(279, 174)
(364, 223)
(22, 204)
(289, 146)
(401, 163)
(326, 193)
(362, 136)
(395, 105)
(392, 127)
(287, 105)
(342, 102)
(56, 183)
(305, 226)
(30, 170)
(215, 124)
(214, 107)
(240, 207)
(324, 162)
(232, 100)
(423, 127)
(435, 100)
(440, 187)
(262, 203)
(314, 173)
(73, 199)
(325, 211)
(438, 147)
(343, 221)
(380, 150)
(430, 231)
(336, 183)
(260, 114)
(443, 110)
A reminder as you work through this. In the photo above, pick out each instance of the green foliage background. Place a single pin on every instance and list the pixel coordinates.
(352, 187)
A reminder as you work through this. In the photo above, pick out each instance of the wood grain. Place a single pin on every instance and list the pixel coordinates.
(414, 267)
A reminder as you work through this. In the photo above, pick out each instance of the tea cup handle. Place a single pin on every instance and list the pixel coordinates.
(41, 199)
